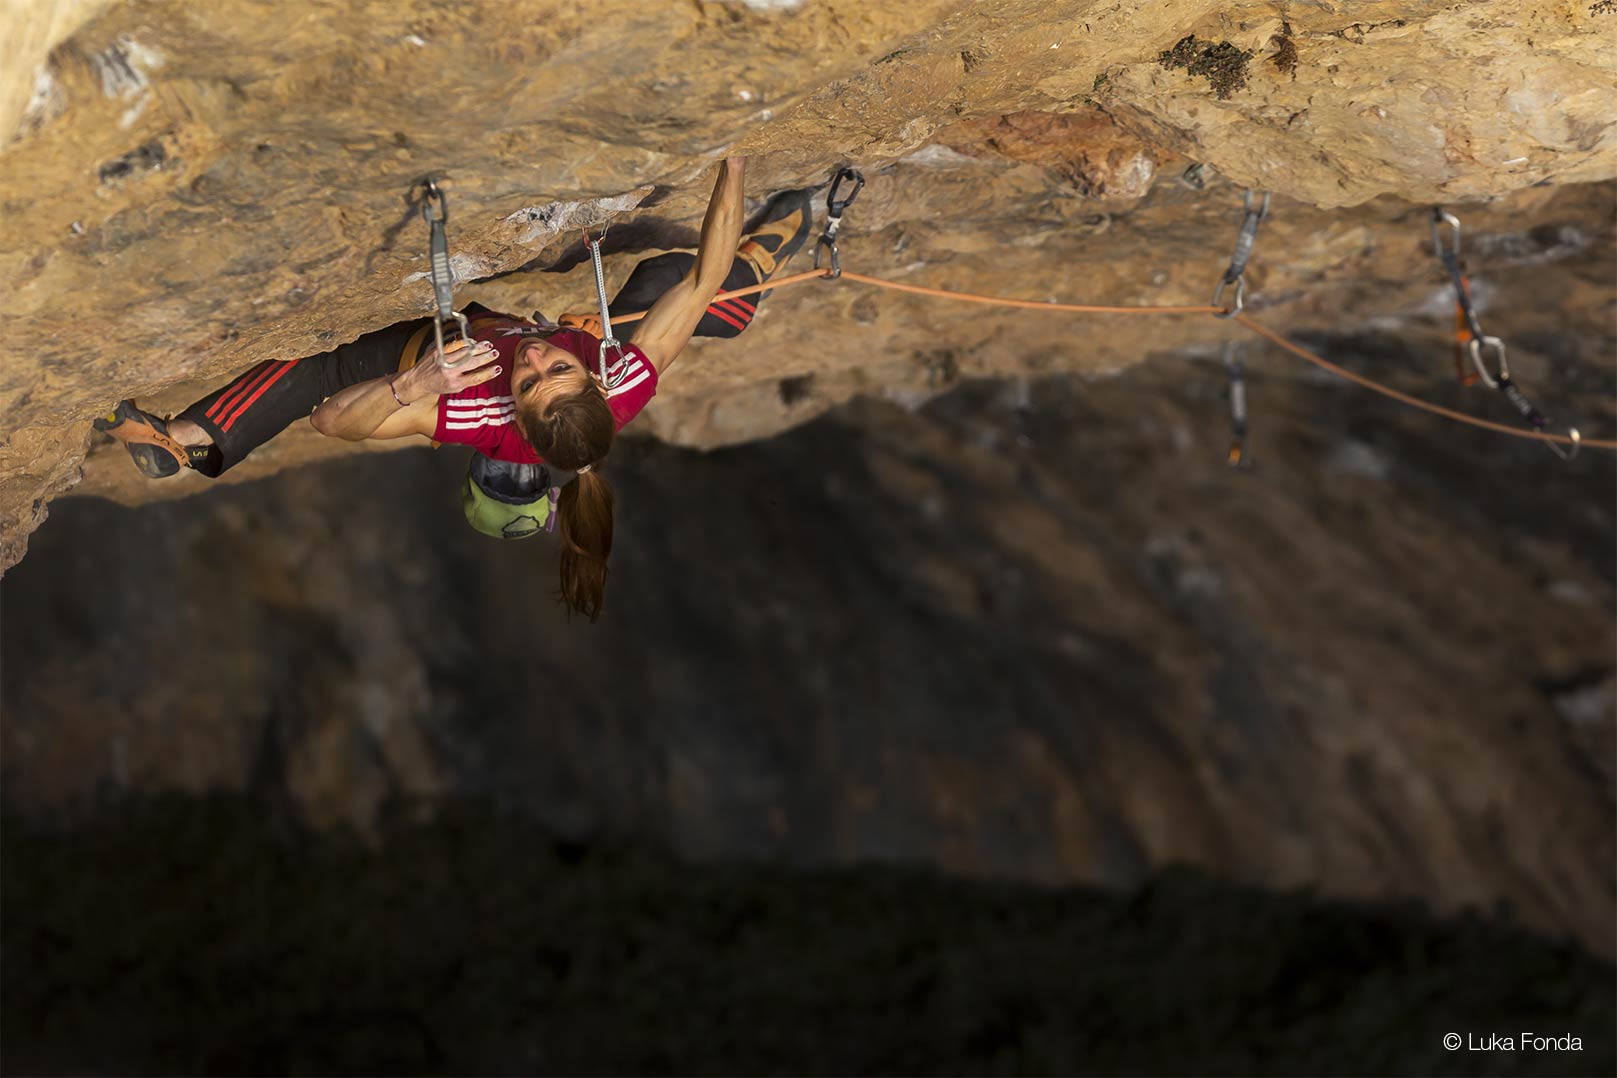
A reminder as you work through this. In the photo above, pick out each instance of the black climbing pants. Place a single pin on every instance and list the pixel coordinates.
(654, 276)
(259, 404)
(265, 400)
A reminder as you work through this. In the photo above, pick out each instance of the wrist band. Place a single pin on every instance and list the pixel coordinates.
(395, 392)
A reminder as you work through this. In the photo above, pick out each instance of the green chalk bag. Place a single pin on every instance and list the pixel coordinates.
(506, 500)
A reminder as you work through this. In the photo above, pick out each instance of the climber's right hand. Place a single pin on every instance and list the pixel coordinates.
(429, 377)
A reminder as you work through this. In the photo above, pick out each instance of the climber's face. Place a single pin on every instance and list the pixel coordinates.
(542, 374)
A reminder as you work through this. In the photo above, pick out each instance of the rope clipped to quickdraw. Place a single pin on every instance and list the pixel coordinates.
(1469, 335)
(435, 208)
(1254, 215)
(1237, 376)
(835, 207)
(609, 343)
(1235, 273)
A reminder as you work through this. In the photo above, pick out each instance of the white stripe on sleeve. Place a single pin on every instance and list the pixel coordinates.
(486, 421)
(473, 413)
(624, 387)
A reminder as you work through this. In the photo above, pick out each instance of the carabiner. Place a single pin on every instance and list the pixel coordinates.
(430, 194)
(825, 240)
(465, 335)
(834, 206)
(1240, 297)
(1476, 345)
(1440, 216)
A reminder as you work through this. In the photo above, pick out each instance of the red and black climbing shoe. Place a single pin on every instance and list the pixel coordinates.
(146, 437)
(778, 233)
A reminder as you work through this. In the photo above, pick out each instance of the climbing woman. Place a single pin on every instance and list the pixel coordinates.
(529, 394)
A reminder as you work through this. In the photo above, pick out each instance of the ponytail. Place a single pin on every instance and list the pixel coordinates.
(585, 516)
(576, 432)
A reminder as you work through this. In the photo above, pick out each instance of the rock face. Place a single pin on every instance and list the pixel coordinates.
(194, 188)
(1033, 628)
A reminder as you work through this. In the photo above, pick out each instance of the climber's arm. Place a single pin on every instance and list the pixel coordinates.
(400, 405)
(672, 319)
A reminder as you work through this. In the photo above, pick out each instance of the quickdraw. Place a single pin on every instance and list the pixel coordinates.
(1237, 375)
(435, 208)
(1469, 340)
(1235, 273)
(609, 343)
(1470, 337)
(834, 209)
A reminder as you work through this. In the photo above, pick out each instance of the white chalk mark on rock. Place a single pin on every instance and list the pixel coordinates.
(122, 67)
(937, 155)
(132, 113)
(542, 222)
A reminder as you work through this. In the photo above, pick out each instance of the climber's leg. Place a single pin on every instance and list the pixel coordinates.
(780, 231)
(221, 429)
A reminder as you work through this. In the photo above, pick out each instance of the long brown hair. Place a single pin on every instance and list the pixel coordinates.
(575, 432)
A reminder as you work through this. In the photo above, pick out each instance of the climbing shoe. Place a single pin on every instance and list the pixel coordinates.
(778, 233)
(146, 437)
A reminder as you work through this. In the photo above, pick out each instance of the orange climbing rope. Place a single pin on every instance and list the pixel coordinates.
(1025, 304)
(1255, 327)
(1416, 402)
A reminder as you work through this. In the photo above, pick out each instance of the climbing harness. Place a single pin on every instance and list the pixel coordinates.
(1476, 343)
(1235, 273)
(435, 208)
(834, 209)
(609, 343)
(1237, 375)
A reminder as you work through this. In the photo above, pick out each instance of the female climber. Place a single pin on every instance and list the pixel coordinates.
(528, 394)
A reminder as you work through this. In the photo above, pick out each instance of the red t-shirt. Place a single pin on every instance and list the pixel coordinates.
(483, 417)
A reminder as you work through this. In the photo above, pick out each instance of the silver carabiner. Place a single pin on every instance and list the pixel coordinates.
(1240, 297)
(836, 259)
(1440, 216)
(465, 335)
(1476, 345)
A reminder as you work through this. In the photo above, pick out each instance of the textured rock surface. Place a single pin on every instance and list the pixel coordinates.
(193, 188)
(1074, 649)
